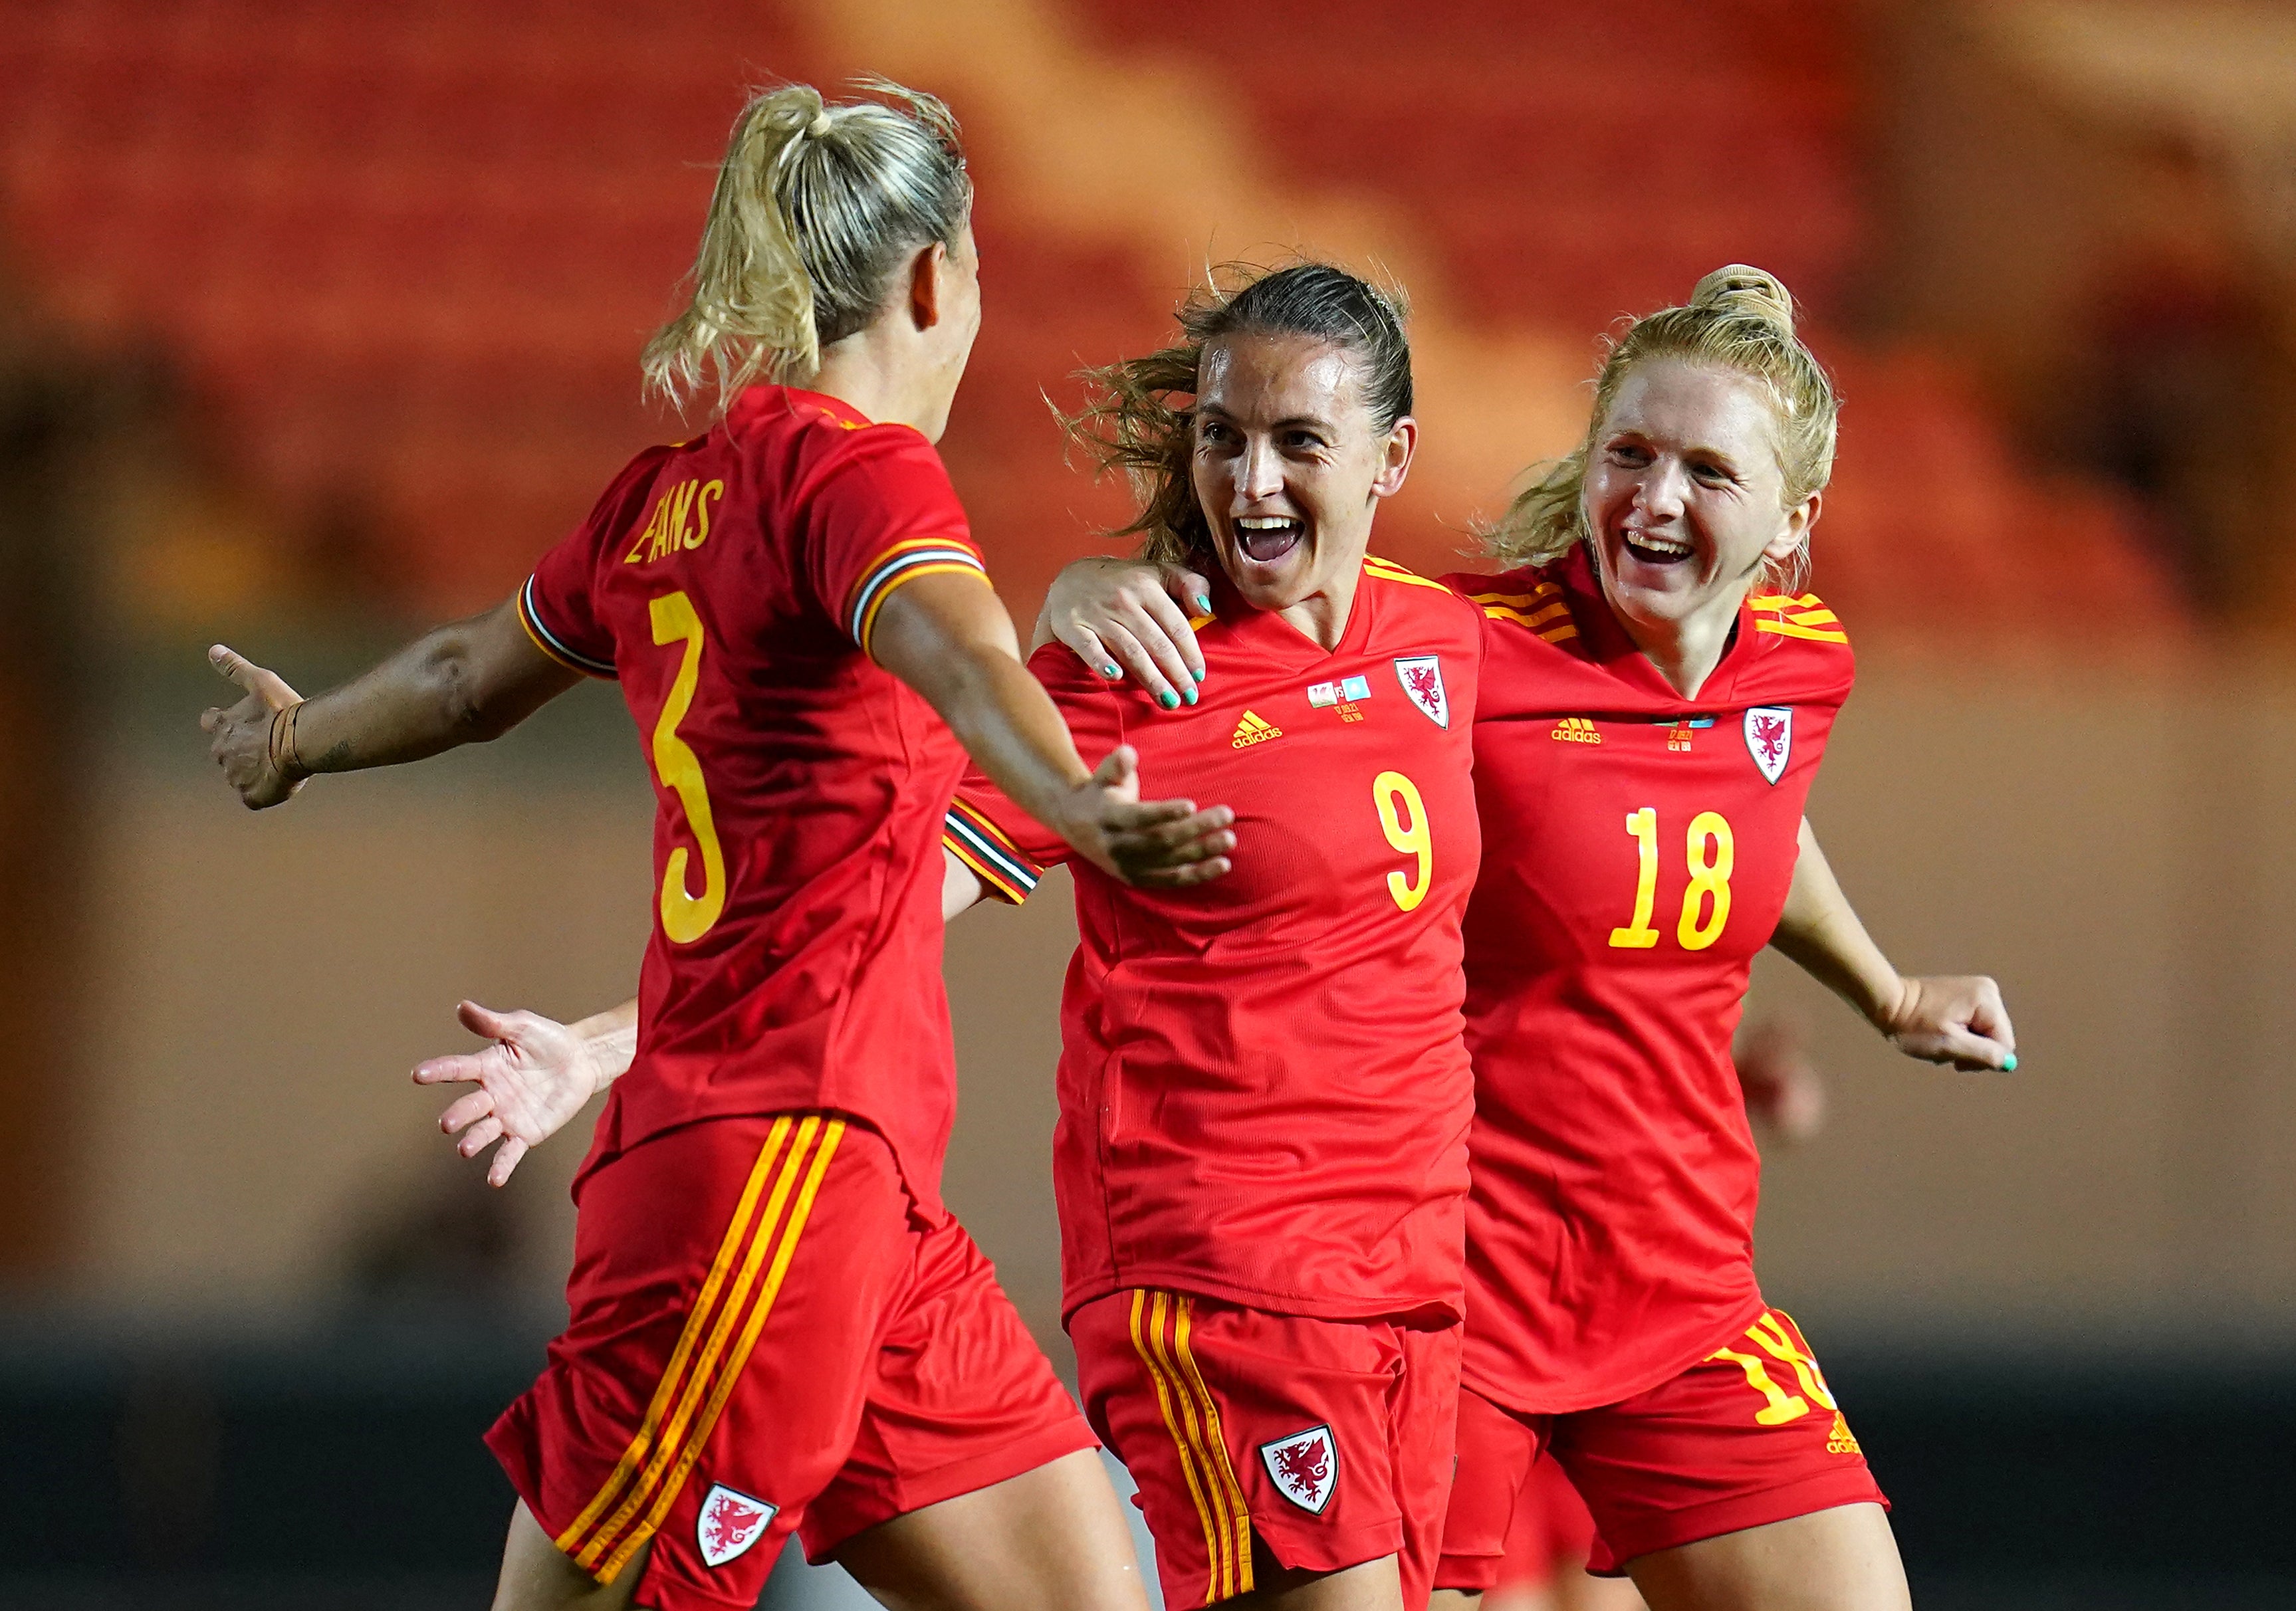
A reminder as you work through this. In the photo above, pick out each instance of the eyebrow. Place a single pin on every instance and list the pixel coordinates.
(1712, 453)
(1315, 421)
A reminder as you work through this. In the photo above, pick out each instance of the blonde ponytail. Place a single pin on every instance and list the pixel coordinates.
(1739, 318)
(816, 204)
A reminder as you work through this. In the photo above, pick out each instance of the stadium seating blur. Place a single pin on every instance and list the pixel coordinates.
(404, 255)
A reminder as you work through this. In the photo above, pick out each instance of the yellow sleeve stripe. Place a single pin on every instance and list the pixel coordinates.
(1389, 572)
(1783, 601)
(1556, 634)
(1787, 629)
(1544, 590)
(544, 640)
(1500, 612)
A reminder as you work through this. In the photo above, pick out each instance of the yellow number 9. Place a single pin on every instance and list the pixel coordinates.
(686, 918)
(1711, 853)
(1387, 791)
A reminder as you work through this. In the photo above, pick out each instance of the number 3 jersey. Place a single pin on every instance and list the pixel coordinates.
(731, 584)
(1264, 1097)
(1641, 848)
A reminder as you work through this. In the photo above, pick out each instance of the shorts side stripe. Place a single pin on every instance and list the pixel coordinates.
(1215, 1533)
(800, 1211)
(665, 1394)
(1217, 1437)
(705, 1364)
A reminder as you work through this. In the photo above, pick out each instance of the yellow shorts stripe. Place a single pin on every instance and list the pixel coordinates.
(707, 1422)
(665, 1394)
(1147, 1341)
(1241, 1519)
(680, 1423)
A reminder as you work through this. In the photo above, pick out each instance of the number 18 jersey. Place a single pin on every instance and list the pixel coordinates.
(731, 584)
(1640, 844)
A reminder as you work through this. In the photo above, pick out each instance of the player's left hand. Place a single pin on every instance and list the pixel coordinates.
(1956, 1020)
(1153, 843)
(243, 735)
(536, 1075)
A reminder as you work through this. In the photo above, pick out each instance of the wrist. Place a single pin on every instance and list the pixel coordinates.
(1886, 1009)
(279, 750)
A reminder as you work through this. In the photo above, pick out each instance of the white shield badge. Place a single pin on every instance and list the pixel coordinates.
(1422, 677)
(730, 1522)
(1769, 738)
(1306, 1465)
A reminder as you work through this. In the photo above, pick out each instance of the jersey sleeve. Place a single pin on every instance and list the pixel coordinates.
(1009, 849)
(879, 514)
(557, 606)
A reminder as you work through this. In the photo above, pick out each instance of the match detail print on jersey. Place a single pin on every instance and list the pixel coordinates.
(1305, 1467)
(729, 1523)
(1160, 1324)
(730, 1310)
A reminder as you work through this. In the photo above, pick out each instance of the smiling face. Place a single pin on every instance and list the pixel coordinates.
(1288, 465)
(1684, 495)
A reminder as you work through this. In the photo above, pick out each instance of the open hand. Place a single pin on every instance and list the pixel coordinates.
(244, 744)
(1125, 617)
(1159, 845)
(1956, 1020)
(537, 1075)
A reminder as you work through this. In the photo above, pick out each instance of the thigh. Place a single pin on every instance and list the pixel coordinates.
(1259, 1438)
(1051, 1539)
(960, 1399)
(1749, 1436)
(731, 1280)
(1839, 1559)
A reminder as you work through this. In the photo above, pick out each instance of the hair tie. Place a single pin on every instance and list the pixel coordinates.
(819, 126)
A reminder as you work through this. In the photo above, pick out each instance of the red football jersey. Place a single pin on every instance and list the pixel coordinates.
(1264, 1094)
(731, 583)
(1643, 844)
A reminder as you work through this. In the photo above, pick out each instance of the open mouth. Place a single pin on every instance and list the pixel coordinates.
(1652, 549)
(1266, 538)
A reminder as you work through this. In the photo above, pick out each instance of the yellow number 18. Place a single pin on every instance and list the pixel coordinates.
(1711, 854)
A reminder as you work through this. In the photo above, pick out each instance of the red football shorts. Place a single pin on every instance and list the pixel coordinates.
(1330, 1440)
(1748, 1435)
(768, 1334)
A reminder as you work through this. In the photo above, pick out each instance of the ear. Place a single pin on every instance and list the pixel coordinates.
(928, 285)
(1799, 518)
(1395, 457)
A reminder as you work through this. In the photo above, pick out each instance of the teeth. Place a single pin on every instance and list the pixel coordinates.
(1265, 522)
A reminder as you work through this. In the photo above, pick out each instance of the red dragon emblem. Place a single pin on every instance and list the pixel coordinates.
(1422, 677)
(1770, 733)
(730, 1522)
(1304, 1466)
(1423, 683)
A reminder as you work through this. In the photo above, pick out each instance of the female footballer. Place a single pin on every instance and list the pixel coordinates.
(1654, 702)
(776, 1325)
(1260, 1162)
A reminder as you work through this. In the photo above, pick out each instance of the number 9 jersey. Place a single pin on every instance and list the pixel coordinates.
(731, 583)
(1640, 845)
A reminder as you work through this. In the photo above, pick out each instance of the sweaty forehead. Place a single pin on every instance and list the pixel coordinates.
(1695, 406)
(1254, 376)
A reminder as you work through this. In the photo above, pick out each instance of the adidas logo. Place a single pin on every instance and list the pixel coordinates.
(1252, 731)
(1840, 1440)
(1577, 729)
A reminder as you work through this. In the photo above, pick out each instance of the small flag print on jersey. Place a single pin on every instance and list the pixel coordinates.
(1769, 738)
(730, 1522)
(1306, 1467)
(1422, 677)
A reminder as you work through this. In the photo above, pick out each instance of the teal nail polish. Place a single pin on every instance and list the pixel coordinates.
(1198, 675)
(1108, 671)
(1203, 605)
(2009, 1064)
(1191, 694)
(1169, 699)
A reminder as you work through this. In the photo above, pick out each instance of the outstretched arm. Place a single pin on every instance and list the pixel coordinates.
(1127, 617)
(948, 637)
(463, 683)
(533, 1078)
(1958, 1020)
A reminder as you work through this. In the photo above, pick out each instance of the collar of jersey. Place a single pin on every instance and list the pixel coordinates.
(1266, 631)
(1610, 647)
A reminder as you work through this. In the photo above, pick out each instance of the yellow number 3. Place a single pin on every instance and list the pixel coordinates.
(686, 918)
(1390, 790)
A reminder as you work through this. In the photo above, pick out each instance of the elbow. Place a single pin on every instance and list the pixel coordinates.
(470, 714)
